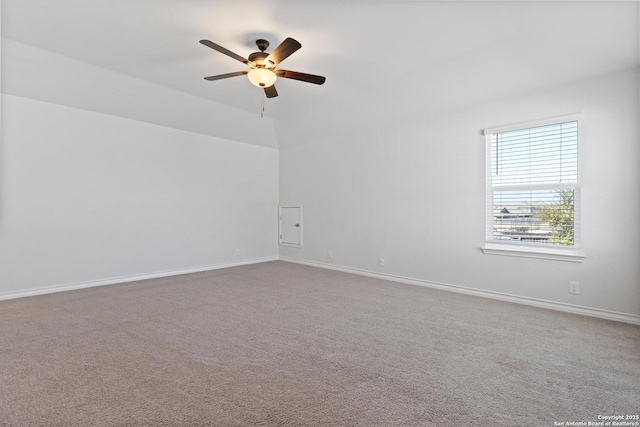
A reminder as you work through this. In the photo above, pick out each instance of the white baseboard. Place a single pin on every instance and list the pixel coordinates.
(125, 279)
(568, 308)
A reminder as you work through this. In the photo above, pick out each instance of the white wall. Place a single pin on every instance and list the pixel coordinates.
(90, 197)
(415, 195)
(86, 197)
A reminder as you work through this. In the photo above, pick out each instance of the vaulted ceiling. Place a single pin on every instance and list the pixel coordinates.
(386, 62)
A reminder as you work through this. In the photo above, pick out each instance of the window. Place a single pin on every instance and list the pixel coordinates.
(533, 188)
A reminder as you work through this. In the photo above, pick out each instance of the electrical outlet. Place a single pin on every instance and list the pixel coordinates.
(574, 288)
(380, 261)
(238, 251)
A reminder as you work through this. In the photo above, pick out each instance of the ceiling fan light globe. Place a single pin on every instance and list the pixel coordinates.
(262, 77)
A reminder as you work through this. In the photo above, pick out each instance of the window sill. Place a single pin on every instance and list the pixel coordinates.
(556, 254)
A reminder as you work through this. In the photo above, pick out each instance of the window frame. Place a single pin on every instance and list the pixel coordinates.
(531, 250)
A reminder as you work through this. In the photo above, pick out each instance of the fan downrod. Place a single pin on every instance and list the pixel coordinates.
(262, 44)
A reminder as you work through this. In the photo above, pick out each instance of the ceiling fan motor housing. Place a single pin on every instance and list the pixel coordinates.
(260, 59)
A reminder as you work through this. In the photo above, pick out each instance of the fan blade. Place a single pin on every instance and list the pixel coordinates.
(309, 78)
(282, 52)
(226, 76)
(227, 52)
(271, 91)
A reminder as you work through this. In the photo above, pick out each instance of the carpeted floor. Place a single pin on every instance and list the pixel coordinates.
(281, 344)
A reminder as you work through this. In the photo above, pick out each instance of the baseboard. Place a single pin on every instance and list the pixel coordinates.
(134, 278)
(552, 305)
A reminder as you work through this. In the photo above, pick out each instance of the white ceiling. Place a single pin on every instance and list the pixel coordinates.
(386, 62)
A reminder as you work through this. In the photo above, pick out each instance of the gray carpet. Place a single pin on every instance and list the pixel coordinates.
(280, 344)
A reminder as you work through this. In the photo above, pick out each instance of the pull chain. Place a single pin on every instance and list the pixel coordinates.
(262, 105)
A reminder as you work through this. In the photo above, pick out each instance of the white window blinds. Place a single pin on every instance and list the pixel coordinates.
(533, 185)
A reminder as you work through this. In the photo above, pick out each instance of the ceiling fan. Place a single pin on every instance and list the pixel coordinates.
(263, 65)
